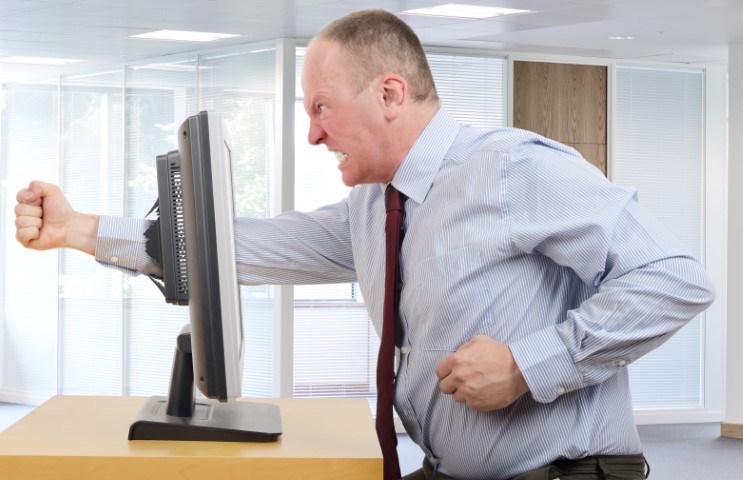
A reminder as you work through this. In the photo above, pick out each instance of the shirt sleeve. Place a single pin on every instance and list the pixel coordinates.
(296, 247)
(646, 285)
(121, 245)
(292, 248)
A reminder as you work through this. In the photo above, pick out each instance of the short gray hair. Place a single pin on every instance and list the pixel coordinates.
(379, 43)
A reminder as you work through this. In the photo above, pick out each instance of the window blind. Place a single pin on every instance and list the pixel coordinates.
(28, 317)
(471, 87)
(159, 95)
(90, 300)
(659, 149)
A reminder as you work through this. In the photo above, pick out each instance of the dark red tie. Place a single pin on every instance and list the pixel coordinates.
(395, 204)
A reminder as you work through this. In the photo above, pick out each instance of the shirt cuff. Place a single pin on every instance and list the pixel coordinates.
(121, 245)
(546, 365)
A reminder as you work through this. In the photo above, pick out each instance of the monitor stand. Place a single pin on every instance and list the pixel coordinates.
(182, 417)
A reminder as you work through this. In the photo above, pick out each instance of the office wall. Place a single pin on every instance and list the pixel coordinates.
(733, 425)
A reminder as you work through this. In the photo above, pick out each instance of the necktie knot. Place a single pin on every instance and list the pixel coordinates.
(394, 199)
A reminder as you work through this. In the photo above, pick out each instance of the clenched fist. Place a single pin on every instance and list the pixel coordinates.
(45, 219)
(483, 374)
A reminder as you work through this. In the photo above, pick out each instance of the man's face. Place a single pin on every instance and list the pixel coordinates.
(349, 123)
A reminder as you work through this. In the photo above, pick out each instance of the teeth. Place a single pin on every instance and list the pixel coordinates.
(341, 156)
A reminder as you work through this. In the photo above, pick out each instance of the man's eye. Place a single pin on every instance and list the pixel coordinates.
(321, 108)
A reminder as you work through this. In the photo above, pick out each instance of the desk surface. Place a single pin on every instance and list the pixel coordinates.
(86, 437)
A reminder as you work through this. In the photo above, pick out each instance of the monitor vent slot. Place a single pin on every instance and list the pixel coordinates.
(172, 228)
(178, 227)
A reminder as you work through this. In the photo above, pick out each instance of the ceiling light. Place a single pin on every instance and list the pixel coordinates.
(464, 11)
(620, 38)
(38, 60)
(184, 36)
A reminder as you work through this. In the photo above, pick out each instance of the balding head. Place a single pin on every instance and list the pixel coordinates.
(378, 43)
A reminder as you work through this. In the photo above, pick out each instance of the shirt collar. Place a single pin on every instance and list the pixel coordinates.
(418, 169)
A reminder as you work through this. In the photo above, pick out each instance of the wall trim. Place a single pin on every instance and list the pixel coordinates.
(696, 415)
(23, 398)
(731, 430)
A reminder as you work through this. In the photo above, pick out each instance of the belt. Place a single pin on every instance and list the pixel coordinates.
(619, 467)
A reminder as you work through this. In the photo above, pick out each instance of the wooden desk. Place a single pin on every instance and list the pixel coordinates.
(86, 438)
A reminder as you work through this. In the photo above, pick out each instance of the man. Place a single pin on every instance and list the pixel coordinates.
(529, 281)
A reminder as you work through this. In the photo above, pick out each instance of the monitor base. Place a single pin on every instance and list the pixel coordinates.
(211, 421)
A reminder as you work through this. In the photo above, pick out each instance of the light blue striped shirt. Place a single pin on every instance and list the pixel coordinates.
(510, 235)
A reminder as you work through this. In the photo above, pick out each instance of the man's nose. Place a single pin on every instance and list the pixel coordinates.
(316, 135)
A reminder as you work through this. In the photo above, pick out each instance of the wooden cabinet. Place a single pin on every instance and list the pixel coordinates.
(564, 102)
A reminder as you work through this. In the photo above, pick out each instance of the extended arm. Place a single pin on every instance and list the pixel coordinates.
(293, 248)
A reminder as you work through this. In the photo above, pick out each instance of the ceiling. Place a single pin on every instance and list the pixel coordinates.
(97, 31)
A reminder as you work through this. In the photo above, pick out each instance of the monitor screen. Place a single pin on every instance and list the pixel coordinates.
(196, 247)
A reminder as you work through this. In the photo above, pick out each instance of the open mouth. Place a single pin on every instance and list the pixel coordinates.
(341, 156)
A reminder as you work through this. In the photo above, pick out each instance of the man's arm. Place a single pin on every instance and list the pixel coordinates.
(647, 287)
(294, 248)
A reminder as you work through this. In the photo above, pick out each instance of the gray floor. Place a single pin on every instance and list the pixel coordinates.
(675, 452)
(11, 413)
(691, 452)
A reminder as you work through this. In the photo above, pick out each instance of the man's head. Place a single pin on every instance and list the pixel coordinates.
(377, 42)
(369, 93)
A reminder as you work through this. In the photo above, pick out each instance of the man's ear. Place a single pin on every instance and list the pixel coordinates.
(394, 91)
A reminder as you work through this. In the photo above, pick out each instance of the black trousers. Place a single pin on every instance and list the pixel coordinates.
(600, 467)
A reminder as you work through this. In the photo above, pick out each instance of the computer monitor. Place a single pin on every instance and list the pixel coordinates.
(197, 251)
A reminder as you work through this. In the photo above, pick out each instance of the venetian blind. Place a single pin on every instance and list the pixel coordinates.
(69, 325)
(159, 95)
(28, 290)
(659, 149)
(90, 297)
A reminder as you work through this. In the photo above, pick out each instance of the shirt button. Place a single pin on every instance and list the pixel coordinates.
(560, 390)
(404, 350)
(114, 259)
(621, 363)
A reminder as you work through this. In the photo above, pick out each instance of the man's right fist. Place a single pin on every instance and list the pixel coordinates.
(44, 219)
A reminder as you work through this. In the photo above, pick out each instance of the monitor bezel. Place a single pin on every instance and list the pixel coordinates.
(214, 296)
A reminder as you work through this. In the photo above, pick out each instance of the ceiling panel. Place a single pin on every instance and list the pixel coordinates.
(97, 31)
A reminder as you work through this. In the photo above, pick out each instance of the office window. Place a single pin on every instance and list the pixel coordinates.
(159, 95)
(28, 289)
(471, 87)
(68, 325)
(659, 149)
(239, 83)
(90, 298)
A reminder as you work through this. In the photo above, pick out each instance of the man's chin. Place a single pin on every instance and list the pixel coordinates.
(348, 178)
(348, 182)
(351, 178)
